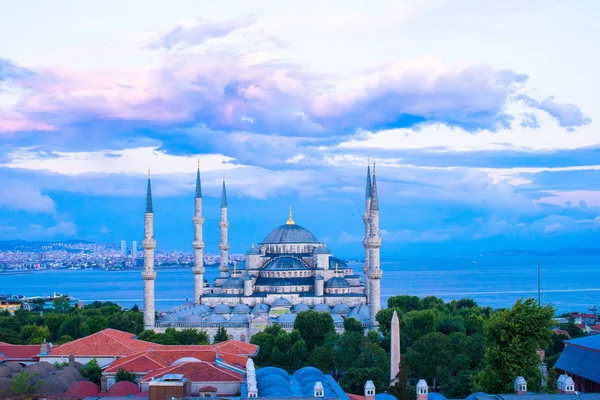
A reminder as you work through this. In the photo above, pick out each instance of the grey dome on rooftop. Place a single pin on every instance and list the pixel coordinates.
(285, 263)
(233, 283)
(337, 282)
(290, 233)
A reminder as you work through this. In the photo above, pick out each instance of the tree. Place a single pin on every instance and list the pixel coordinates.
(193, 336)
(400, 387)
(354, 380)
(92, 371)
(405, 303)
(34, 334)
(10, 336)
(313, 327)
(64, 339)
(416, 324)
(221, 335)
(428, 353)
(61, 305)
(512, 337)
(96, 323)
(353, 325)
(25, 383)
(124, 375)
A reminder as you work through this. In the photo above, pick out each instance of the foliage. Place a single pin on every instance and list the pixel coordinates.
(280, 349)
(65, 321)
(353, 325)
(405, 303)
(221, 335)
(313, 326)
(22, 383)
(400, 388)
(123, 375)
(512, 337)
(92, 371)
(174, 337)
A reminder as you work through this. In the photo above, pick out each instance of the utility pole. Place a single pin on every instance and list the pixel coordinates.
(539, 300)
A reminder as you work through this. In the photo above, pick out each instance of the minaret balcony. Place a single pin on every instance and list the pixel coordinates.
(198, 244)
(223, 224)
(198, 270)
(148, 275)
(374, 274)
(198, 219)
(148, 244)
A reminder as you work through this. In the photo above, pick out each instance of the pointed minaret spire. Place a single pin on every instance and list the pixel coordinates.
(198, 184)
(149, 208)
(368, 188)
(223, 195)
(374, 197)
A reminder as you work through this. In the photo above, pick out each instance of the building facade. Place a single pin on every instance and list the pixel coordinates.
(289, 271)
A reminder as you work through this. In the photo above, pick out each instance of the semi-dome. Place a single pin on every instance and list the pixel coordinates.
(337, 282)
(285, 263)
(286, 318)
(215, 318)
(321, 250)
(192, 318)
(253, 250)
(261, 308)
(233, 283)
(239, 318)
(281, 302)
(290, 233)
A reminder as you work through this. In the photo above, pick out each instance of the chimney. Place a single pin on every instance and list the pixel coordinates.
(369, 390)
(422, 390)
(318, 390)
(44, 348)
(520, 385)
(71, 360)
(565, 384)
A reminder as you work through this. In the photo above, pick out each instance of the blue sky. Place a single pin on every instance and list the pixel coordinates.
(482, 118)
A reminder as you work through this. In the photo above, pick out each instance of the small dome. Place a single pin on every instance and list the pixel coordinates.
(202, 309)
(215, 318)
(233, 283)
(192, 318)
(123, 388)
(435, 396)
(322, 308)
(172, 317)
(239, 318)
(341, 308)
(337, 318)
(474, 396)
(321, 250)
(384, 396)
(241, 308)
(221, 309)
(281, 302)
(261, 309)
(184, 360)
(285, 264)
(82, 389)
(286, 318)
(337, 282)
(300, 307)
(290, 233)
(253, 251)
(360, 312)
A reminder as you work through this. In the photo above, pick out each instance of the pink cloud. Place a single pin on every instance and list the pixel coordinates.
(14, 122)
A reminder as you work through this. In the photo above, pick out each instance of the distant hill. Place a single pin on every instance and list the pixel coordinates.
(568, 251)
(12, 244)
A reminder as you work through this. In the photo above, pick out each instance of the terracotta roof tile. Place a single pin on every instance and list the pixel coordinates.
(139, 363)
(108, 343)
(197, 371)
(355, 396)
(234, 360)
(236, 347)
(19, 351)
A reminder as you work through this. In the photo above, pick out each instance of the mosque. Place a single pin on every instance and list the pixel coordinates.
(288, 272)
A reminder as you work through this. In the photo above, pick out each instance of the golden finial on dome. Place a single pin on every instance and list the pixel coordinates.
(290, 221)
(252, 244)
(235, 270)
(337, 272)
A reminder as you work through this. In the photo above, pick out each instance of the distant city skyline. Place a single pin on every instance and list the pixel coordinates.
(482, 118)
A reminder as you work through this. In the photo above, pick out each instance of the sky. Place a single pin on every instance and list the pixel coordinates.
(481, 117)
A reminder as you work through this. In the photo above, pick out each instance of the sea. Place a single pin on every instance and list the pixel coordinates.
(569, 283)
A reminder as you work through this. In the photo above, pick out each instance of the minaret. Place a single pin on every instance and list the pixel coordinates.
(374, 243)
(367, 221)
(149, 275)
(198, 244)
(224, 244)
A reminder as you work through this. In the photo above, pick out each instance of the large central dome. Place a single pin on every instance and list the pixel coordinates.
(290, 233)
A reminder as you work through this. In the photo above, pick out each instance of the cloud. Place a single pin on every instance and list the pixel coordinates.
(9, 70)
(19, 195)
(568, 115)
(198, 32)
(60, 230)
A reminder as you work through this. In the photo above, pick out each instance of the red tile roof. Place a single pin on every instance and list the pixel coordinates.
(197, 371)
(355, 396)
(562, 332)
(19, 351)
(236, 347)
(138, 363)
(106, 343)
